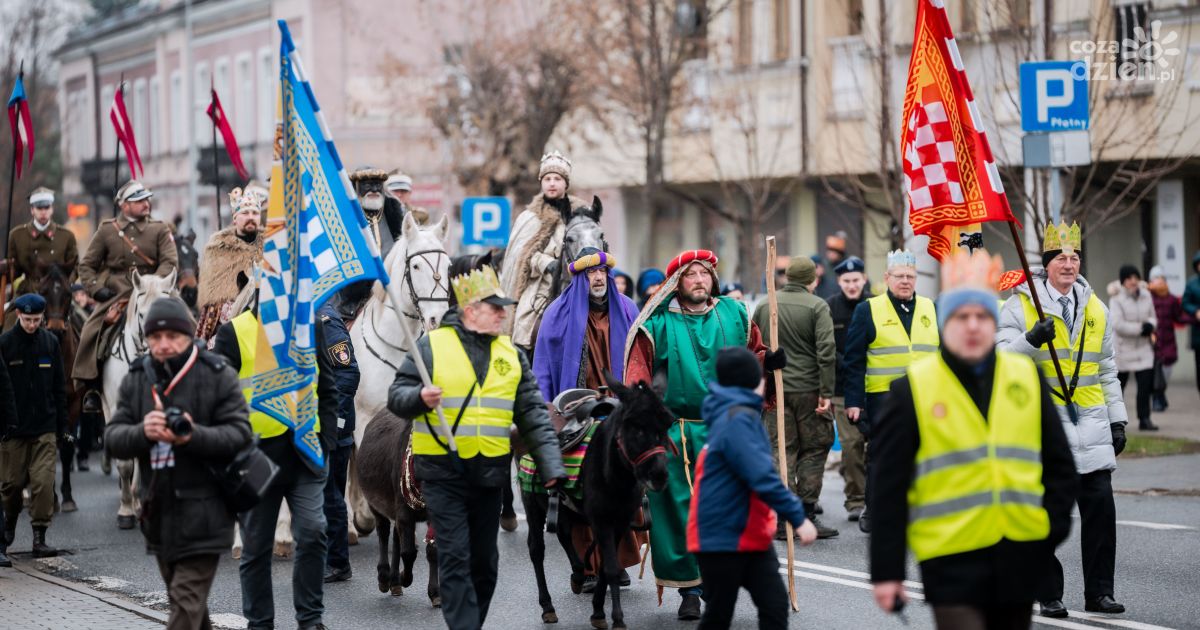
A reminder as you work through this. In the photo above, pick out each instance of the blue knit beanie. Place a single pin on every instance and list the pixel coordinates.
(952, 300)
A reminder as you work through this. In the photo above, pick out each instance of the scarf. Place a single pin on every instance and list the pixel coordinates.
(561, 337)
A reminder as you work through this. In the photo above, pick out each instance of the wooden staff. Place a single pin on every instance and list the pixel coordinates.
(779, 430)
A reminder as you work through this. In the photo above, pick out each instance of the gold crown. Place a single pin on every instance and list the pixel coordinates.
(977, 270)
(1060, 237)
(476, 286)
(243, 200)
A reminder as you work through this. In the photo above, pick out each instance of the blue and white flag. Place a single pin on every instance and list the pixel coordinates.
(316, 242)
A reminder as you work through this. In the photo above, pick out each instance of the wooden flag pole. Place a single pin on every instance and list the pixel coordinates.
(1037, 304)
(779, 429)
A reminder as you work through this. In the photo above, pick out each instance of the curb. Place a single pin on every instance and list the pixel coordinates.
(112, 600)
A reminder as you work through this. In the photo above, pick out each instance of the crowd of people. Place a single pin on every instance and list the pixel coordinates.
(953, 448)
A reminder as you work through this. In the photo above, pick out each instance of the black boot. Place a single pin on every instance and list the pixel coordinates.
(1146, 425)
(82, 462)
(40, 548)
(10, 529)
(4, 561)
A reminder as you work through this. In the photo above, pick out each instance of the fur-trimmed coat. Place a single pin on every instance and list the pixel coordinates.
(225, 255)
(536, 243)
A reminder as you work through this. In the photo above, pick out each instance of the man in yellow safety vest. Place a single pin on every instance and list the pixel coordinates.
(1078, 325)
(972, 469)
(887, 333)
(484, 385)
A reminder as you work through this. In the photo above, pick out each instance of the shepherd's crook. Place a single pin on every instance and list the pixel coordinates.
(779, 429)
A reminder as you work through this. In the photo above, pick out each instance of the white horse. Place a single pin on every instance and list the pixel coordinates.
(419, 266)
(132, 344)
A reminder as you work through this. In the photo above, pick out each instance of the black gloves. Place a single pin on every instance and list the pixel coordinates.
(104, 294)
(1147, 328)
(1118, 436)
(774, 360)
(1041, 333)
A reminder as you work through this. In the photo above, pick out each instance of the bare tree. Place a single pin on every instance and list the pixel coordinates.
(638, 50)
(876, 190)
(498, 105)
(29, 33)
(1138, 120)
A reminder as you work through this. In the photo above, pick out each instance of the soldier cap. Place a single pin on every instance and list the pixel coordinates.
(133, 190)
(41, 197)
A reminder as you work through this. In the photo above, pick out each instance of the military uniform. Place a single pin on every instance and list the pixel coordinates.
(32, 250)
(119, 246)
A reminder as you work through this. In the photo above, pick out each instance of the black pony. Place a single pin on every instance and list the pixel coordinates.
(627, 455)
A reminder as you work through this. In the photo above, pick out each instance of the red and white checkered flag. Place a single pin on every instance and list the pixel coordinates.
(949, 172)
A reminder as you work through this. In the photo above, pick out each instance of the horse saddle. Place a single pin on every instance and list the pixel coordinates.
(580, 409)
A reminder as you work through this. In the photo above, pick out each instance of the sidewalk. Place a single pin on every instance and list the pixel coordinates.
(32, 600)
(1180, 420)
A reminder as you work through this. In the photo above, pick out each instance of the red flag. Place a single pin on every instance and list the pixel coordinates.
(949, 174)
(217, 114)
(18, 120)
(121, 124)
(1010, 279)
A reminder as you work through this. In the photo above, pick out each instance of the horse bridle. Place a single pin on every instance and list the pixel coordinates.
(437, 278)
(645, 455)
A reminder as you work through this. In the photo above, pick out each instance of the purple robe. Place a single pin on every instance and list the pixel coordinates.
(560, 339)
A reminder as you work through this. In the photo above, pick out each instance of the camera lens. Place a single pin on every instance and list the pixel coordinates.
(178, 424)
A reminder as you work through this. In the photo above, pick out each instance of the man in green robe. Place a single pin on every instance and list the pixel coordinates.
(677, 335)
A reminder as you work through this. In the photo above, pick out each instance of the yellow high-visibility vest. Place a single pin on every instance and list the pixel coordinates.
(893, 350)
(977, 481)
(246, 327)
(487, 419)
(1088, 391)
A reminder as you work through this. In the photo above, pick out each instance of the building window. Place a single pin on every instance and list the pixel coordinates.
(783, 29)
(744, 53)
(244, 103)
(268, 84)
(1131, 27)
(221, 85)
(139, 116)
(200, 95)
(177, 114)
(849, 73)
(154, 135)
(108, 137)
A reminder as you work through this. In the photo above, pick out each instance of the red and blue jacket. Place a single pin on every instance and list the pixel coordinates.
(737, 488)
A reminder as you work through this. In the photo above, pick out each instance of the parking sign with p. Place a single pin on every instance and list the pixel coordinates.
(486, 221)
(1054, 96)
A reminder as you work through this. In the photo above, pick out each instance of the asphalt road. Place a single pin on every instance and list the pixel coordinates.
(1158, 572)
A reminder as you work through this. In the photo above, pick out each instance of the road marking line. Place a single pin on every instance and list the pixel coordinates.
(909, 584)
(1159, 526)
(1122, 623)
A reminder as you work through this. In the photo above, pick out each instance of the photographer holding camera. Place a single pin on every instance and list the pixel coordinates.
(182, 415)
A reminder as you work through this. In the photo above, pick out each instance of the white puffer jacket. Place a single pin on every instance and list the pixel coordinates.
(1091, 439)
(1129, 312)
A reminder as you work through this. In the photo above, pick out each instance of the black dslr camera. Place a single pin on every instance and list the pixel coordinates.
(176, 422)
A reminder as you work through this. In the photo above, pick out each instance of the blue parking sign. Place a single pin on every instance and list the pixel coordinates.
(1054, 96)
(487, 221)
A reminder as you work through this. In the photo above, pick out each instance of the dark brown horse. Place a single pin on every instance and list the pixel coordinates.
(383, 463)
(54, 287)
(627, 455)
